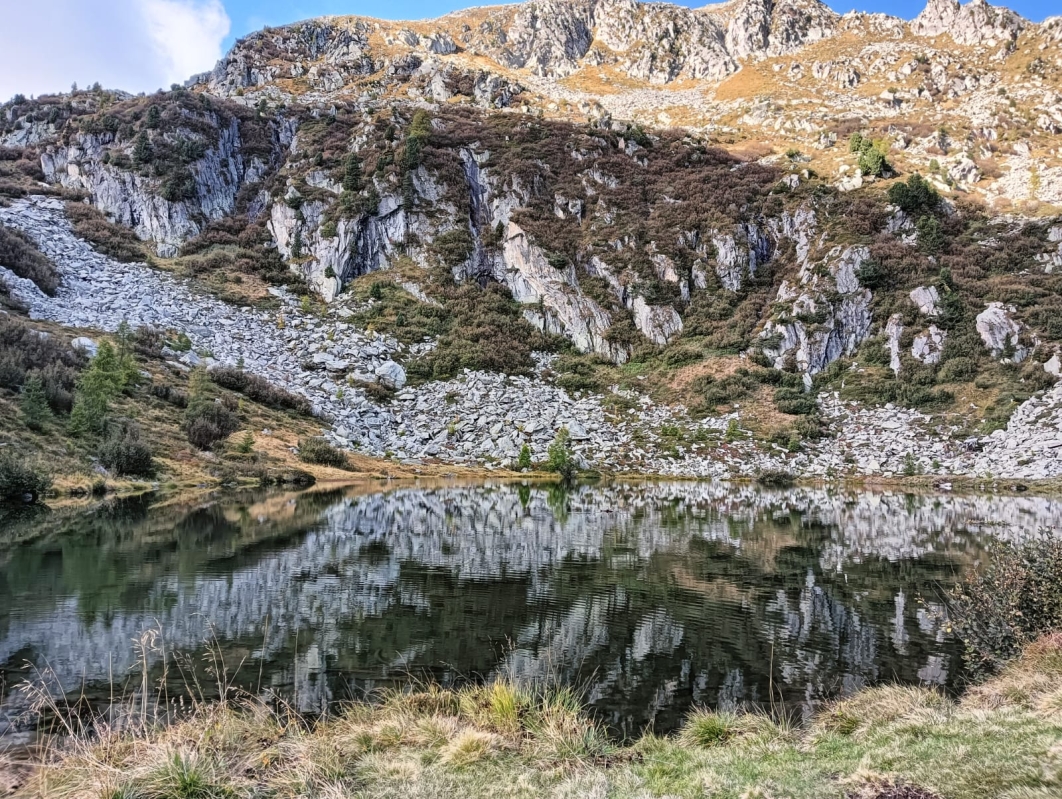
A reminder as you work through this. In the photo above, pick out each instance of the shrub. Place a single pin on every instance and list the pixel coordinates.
(125, 453)
(112, 240)
(19, 481)
(352, 179)
(318, 451)
(1010, 604)
(524, 461)
(872, 162)
(19, 253)
(776, 478)
(871, 155)
(873, 275)
(260, 390)
(208, 422)
(170, 394)
(916, 197)
(454, 247)
(24, 350)
(179, 186)
(931, 237)
(957, 370)
(795, 402)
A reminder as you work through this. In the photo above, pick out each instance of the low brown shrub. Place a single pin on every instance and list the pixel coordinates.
(19, 253)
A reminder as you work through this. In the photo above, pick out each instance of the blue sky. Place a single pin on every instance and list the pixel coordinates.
(143, 45)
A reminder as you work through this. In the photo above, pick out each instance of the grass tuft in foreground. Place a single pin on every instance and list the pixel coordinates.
(1003, 740)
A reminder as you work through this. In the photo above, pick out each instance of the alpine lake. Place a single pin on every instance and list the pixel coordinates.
(650, 598)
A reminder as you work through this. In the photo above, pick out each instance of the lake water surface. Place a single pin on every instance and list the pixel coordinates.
(651, 597)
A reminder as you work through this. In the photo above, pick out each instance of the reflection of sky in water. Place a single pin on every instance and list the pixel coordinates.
(652, 596)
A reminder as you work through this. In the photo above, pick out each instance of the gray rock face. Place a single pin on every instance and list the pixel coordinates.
(830, 314)
(929, 346)
(360, 245)
(343, 49)
(974, 23)
(560, 305)
(391, 374)
(86, 345)
(1001, 334)
(136, 201)
(926, 298)
(657, 43)
(893, 332)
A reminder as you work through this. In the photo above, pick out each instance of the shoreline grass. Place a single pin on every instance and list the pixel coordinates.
(1002, 739)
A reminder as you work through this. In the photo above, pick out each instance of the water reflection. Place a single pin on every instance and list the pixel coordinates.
(652, 596)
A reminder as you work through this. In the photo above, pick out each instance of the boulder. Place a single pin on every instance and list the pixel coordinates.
(926, 298)
(391, 374)
(86, 345)
(1000, 333)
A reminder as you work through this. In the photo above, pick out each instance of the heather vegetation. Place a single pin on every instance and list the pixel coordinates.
(19, 253)
(648, 191)
(476, 328)
(318, 451)
(110, 239)
(43, 362)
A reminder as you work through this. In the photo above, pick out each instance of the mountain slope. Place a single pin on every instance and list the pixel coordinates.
(492, 184)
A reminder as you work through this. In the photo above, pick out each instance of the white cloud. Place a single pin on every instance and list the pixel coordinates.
(187, 34)
(136, 45)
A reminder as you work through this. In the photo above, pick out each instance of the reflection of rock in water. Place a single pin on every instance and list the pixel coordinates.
(303, 606)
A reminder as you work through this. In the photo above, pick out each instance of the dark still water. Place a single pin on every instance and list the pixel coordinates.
(651, 597)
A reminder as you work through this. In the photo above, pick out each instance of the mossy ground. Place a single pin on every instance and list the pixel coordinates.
(1003, 739)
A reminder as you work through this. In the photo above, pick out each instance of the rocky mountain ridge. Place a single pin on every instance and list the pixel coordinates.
(773, 73)
(343, 152)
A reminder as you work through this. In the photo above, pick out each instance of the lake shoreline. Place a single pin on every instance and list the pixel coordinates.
(509, 739)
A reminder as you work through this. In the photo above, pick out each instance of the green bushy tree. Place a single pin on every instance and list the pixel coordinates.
(524, 461)
(915, 197)
(19, 481)
(560, 458)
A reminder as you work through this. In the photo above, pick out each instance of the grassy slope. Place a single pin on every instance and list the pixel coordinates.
(1002, 740)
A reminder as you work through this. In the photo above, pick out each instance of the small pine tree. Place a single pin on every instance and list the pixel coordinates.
(352, 173)
(524, 461)
(105, 378)
(34, 402)
(142, 151)
(246, 445)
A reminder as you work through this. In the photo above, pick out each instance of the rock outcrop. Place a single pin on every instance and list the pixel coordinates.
(830, 312)
(974, 23)
(1001, 334)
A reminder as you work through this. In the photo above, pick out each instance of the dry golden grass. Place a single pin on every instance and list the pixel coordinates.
(508, 739)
